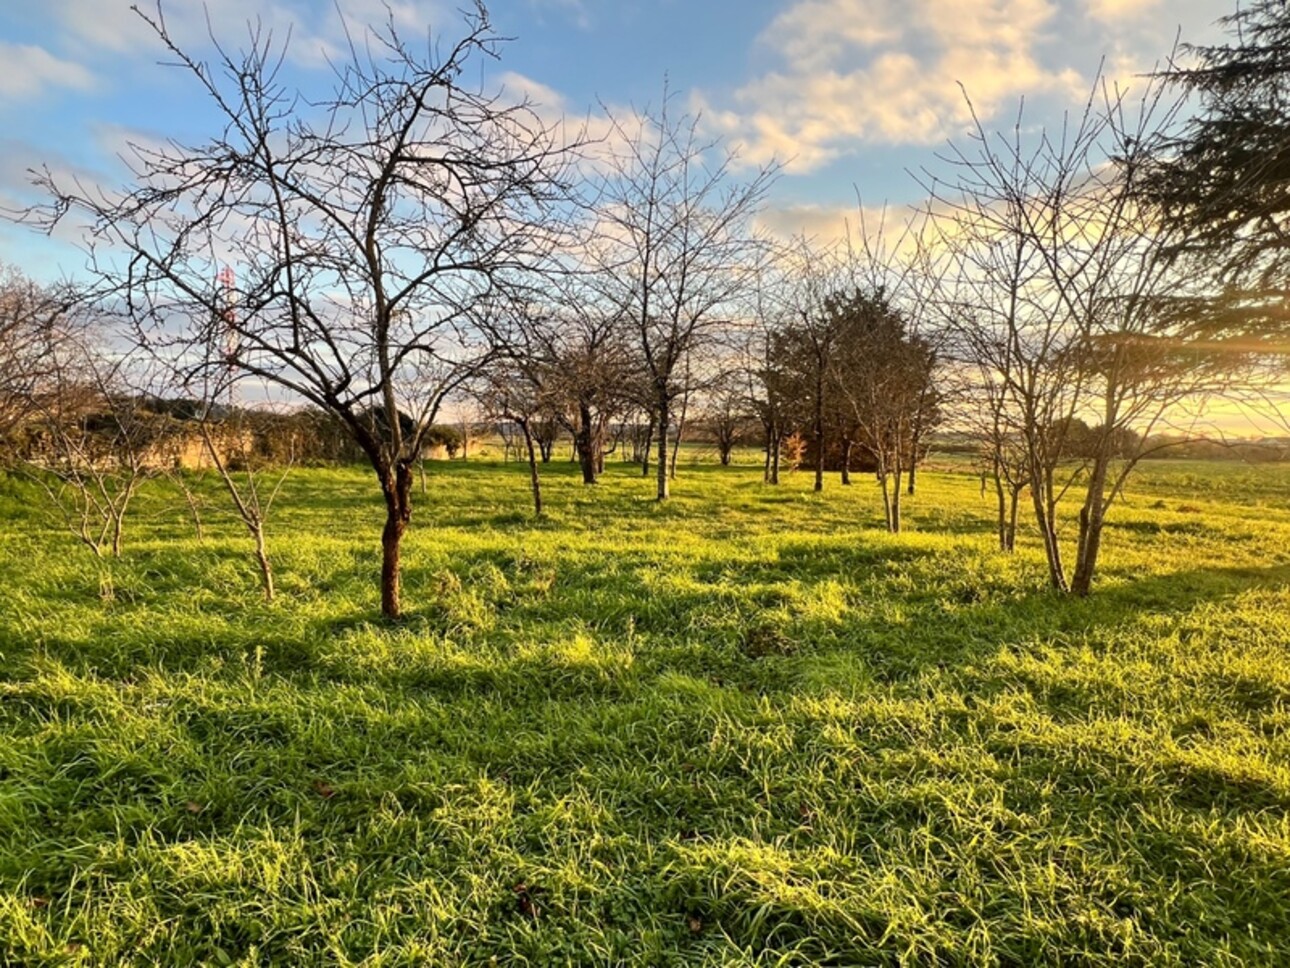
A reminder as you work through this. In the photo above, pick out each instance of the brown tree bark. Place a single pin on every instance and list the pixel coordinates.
(534, 480)
(663, 468)
(396, 483)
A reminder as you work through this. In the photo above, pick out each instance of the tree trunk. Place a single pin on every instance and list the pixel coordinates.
(774, 460)
(894, 524)
(770, 444)
(663, 421)
(846, 462)
(913, 470)
(676, 441)
(397, 485)
(886, 498)
(1092, 517)
(583, 443)
(645, 451)
(1001, 496)
(1045, 518)
(1014, 503)
(819, 450)
(194, 510)
(533, 471)
(118, 532)
(262, 559)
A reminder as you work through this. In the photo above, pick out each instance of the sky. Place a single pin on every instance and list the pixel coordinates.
(849, 96)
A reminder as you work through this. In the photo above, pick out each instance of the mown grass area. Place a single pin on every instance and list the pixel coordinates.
(746, 727)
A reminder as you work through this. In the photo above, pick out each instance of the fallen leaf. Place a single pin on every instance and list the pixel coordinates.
(695, 923)
(324, 789)
(524, 900)
(192, 806)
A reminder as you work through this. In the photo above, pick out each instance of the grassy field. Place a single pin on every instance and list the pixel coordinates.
(746, 727)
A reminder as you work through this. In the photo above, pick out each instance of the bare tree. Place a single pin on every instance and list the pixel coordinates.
(1066, 307)
(364, 223)
(726, 413)
(510, 396)
(672, 248)
(577, 353)
(92, 442)
(35, 323)
(231, 440)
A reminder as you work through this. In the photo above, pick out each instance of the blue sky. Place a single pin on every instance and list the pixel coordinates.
(849, 94)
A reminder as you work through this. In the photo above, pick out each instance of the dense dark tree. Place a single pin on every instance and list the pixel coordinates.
(1224, 180)
(882, 379)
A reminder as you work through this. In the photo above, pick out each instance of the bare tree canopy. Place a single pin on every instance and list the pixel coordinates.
(335, 244)
(673, 248)
(1059, 294)
(35, 321)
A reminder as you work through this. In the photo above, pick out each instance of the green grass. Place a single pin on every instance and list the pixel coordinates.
(746, 727)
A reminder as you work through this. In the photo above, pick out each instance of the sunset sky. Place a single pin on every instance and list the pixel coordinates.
(848, 94)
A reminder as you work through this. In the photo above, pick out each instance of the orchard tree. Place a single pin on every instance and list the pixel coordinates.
(91, 440)
(673, 248)
(578, 353)
(1060, 293)
(35, 322)
(360, 226)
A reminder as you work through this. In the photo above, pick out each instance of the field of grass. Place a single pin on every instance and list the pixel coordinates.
(746, 727)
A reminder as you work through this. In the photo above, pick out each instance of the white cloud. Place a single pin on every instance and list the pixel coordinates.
(30, 70)
(888, 72)
(317, 30)
(1117, 11)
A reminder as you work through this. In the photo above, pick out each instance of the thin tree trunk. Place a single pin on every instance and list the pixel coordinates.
(819, 446)
(262, 559)
(774, 461)
(895, 501)
(1092, 517)
(583, 444)
(680, 429)
(663, 421)
(1014, 508)
(194, 509)
(1001, 495)
(1045, 518)
(533, 471)
(645, 452)
(846, 462)
(398, 511)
